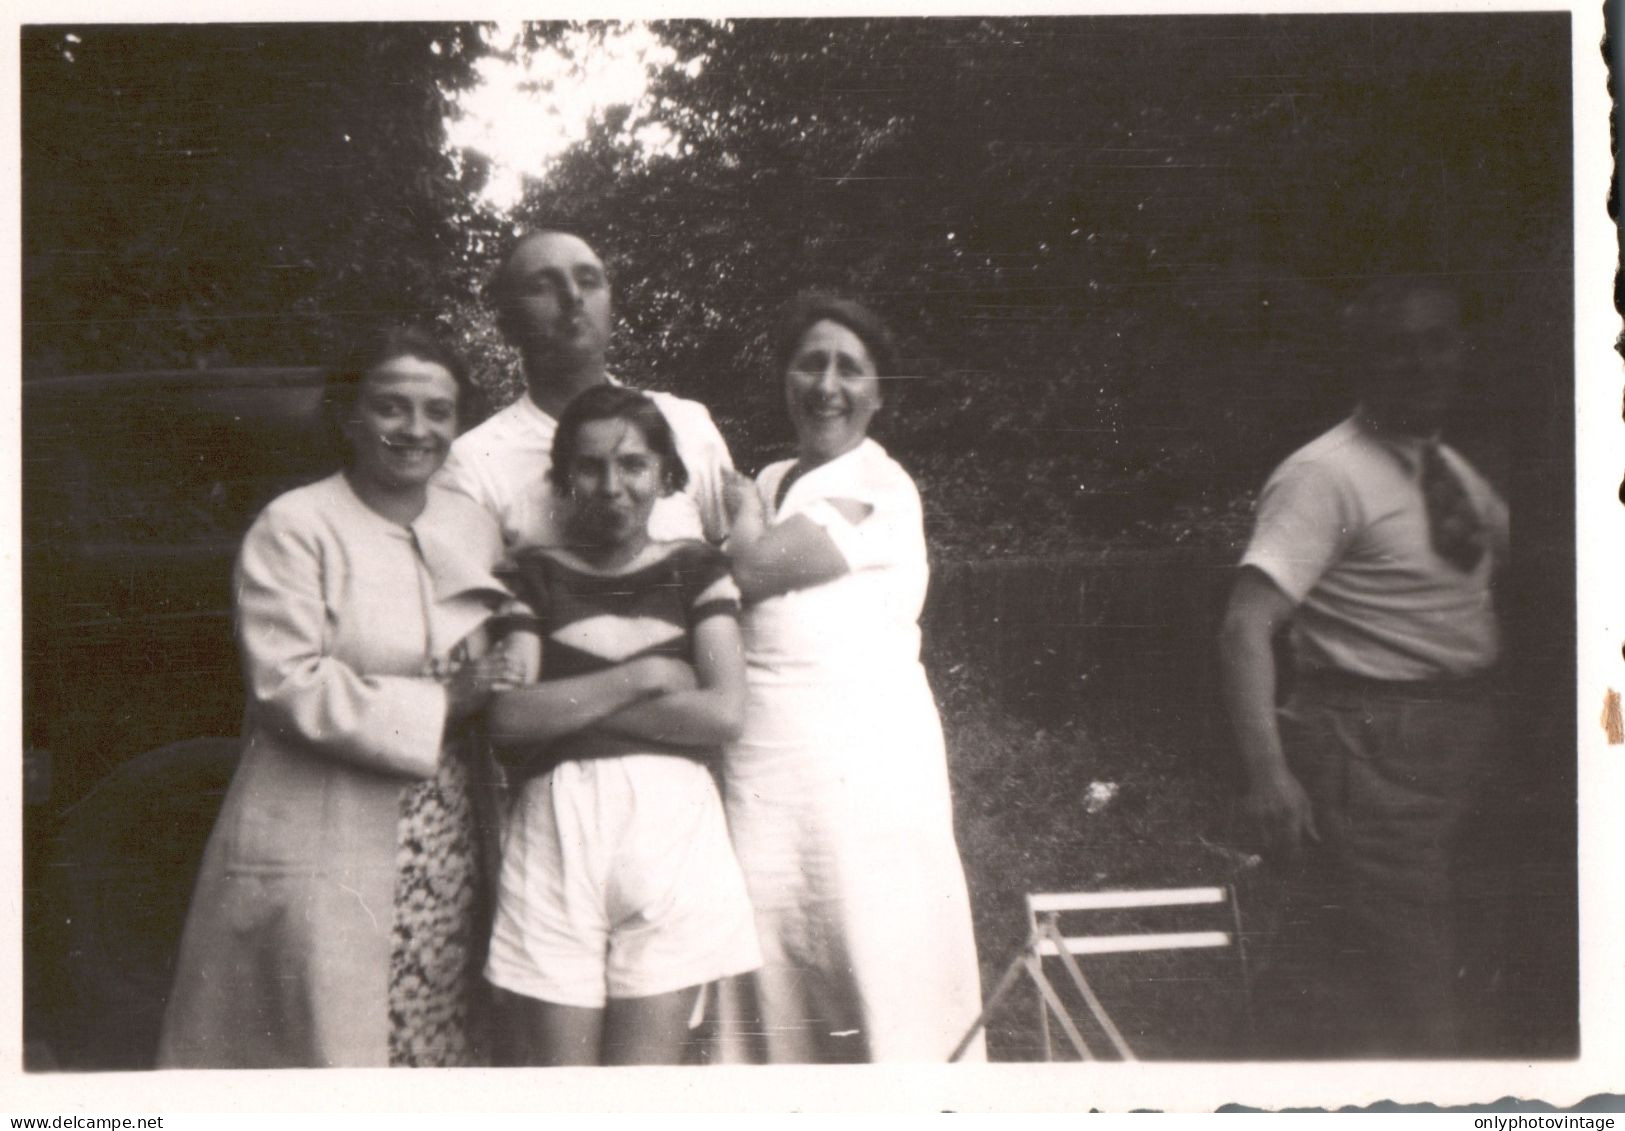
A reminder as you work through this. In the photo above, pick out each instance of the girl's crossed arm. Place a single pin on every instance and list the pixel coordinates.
(708, 713)
(539, 713)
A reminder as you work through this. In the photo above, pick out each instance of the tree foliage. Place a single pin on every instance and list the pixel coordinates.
(215, 194)
(1117, 247)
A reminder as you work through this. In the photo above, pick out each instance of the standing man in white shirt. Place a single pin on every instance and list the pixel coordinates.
(1379, 547)
(552, 300)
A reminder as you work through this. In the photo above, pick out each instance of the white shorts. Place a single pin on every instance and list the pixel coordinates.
(619, 881)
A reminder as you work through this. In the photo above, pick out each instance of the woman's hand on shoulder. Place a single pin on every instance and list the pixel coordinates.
(747, 518)
(739, 493)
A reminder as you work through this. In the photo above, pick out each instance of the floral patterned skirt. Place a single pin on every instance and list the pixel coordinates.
(438, 949)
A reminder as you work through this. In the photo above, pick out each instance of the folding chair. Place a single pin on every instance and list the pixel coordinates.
(1045, 940)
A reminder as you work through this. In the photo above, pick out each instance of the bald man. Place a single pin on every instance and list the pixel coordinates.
(1378, 547)
(553, 304)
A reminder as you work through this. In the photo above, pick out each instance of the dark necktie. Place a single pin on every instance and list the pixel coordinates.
(1454, 525)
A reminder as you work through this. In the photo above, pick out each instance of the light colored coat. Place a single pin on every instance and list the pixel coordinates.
(286, 955)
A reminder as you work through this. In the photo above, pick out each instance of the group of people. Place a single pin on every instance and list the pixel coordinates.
(567, 744)
(722, 819)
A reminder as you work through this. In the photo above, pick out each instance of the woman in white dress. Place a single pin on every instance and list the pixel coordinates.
(837, 790)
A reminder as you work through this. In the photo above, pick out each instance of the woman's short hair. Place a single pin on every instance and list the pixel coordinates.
(343, 383)
(806, 311)
(615, 402)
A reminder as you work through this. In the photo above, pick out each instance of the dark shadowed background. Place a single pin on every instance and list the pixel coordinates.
(1116, 250)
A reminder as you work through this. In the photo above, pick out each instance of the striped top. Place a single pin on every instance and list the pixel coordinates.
(590, 621)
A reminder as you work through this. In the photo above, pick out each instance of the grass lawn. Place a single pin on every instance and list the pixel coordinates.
(1120, 798)
(1125, 794)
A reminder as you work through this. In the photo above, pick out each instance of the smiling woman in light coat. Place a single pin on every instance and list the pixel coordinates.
(337, 917)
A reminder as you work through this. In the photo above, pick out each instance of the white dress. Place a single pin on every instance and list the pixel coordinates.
(837, 795)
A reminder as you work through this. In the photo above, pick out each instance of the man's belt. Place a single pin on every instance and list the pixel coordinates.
(1476, 686)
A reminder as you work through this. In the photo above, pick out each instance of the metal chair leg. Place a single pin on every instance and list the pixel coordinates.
(1053, 1000)
(1248, 1019)
(1006, 980)
(1049, 930)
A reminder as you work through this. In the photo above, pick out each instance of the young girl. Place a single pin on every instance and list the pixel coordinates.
(620, 895)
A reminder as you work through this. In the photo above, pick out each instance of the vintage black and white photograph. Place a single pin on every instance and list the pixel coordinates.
(836, 540)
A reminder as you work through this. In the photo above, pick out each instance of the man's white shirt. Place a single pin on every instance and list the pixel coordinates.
(1342, 530)
(502, 464)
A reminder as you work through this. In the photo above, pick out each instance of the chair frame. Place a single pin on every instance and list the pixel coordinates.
(1046, 940)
